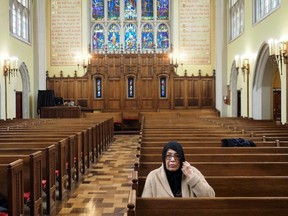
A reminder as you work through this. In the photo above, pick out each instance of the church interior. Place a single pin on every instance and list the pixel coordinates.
(92, 90)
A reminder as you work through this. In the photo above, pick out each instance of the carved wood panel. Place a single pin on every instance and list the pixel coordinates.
(183, 92)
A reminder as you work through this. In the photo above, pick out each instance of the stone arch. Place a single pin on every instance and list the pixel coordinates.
(233, 88)
(261, 84)
(23, 70)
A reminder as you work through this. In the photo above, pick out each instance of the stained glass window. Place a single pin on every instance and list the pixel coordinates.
(147, 36)
(130, 87)
(98, 37)
(130, 37)
(113, 37)
(130, 11)
(162, 9)
(98, 87)
(98, 9)
(145, 24)
(113, 9)
(162, 37)
(147, 10)
(163, 87)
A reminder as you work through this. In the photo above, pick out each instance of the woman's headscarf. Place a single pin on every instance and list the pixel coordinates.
(174, 178)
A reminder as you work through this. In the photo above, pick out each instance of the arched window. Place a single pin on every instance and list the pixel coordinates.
(14, 19)
(130, 37)
(98, 87)
(163, 87)
(113, 37)
(162, 36)
(130, 12)
(147, 10)
(162, 9)
(130, 87)
(98, 9)
(25, 26)
(98, 37)
(20, 19)
(147, 37)
(144, 25)
(113, 9)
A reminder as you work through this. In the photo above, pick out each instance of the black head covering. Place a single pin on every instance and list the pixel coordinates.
(174, 178)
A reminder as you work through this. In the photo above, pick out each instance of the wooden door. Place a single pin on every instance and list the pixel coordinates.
(19, 105)
(277, 105)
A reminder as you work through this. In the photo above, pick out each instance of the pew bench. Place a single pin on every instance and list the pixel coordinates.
(12, 186)
(70, 156)
(224, 206)
(220, 157)
(32, 179)
(218, 150)
(227, 168)
(48, 172)
(235, 186)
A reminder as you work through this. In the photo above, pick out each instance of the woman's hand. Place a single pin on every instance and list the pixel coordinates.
(187, 170)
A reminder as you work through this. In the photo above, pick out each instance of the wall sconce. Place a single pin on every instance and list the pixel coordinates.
(10, 67)
(84, 63)
(242, 63)
(278, 52)
(226, 98)
(245, 67)
(172, 62)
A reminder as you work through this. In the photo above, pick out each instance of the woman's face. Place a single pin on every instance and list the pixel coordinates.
(172, 160)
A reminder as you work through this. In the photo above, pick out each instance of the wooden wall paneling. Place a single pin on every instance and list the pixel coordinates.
(207, 93)
(114, 94)
(82, 92)
(179, 92)
(68, 89)
(146, 94)
(193, 92)
(57, 87)
(182, 92)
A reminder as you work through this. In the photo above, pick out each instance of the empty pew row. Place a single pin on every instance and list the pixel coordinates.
(38, 134)
(48, 158)
(32, 180)
(76, 155)
(12, 186)
(66, 150)
(102, 130)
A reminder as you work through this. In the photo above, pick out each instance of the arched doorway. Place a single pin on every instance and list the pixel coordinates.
(23, 70)
(264, 79)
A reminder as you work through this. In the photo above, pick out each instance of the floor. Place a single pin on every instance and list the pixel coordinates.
(105, 190)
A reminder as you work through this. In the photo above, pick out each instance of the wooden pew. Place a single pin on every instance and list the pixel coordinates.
(236, 186)
(32, 178)
(207, 143)
(218, 150)
(205, 139)
(63, 181)
(224, 206)
(71, 158)
(228, 168)
(12, 186)
(221, 157)
(48, 172)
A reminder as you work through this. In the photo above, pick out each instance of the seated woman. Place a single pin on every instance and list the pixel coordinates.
(176, 177)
